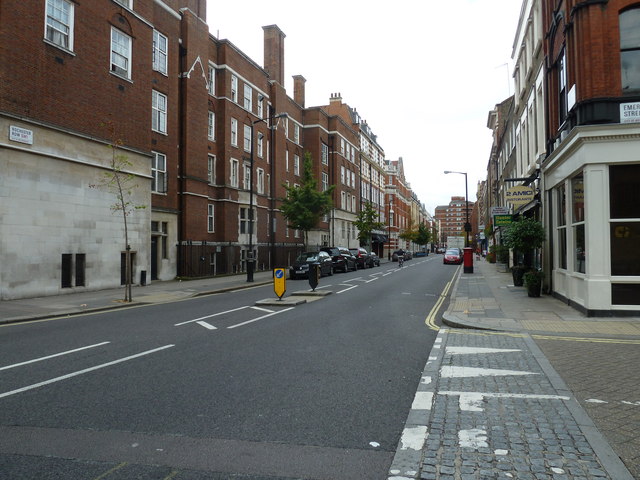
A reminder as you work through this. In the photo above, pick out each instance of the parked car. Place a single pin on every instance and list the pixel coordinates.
(421, 253)
(363, 258)
(351, 262)
(341, 259)
(300, 268)
(375, 259)
(452, 256)
(441, 250)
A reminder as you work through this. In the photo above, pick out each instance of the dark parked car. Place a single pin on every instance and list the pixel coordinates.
(352, 263)
(375, 259)
(363, 259)
(300, 268)
(452, 256)
(341, 259)
(421, 253)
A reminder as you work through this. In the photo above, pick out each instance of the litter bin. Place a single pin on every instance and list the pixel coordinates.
(468, 259)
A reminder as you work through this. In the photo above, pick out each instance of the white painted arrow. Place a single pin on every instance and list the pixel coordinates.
(465, 372)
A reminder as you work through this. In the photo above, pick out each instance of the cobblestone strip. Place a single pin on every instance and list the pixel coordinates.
(499, 411)
(407, 460)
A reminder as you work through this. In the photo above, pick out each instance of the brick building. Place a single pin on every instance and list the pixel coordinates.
(592, 169)
(452, 218)
(210, 136)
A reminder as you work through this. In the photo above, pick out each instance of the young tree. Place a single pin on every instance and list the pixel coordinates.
(424, 236)
(366, 222)
(121, 184)
(305, 205)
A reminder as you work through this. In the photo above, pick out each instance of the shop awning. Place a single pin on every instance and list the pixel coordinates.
(375, 237)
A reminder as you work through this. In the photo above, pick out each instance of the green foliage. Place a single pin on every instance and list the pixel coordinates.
(524, 235)
(366, 222)
(533, 278)
(500, 253)
(305, 205)
(424, 235)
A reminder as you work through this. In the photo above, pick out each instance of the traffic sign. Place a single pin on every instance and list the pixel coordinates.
(279, 282)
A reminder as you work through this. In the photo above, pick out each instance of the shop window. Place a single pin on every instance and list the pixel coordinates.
(577, 223)
(624, 197)
(561, 219)
(625, 294)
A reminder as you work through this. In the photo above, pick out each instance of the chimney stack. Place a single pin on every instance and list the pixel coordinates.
(298, 89)
(274, 52)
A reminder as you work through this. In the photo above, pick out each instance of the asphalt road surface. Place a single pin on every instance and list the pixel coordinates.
(216, 388)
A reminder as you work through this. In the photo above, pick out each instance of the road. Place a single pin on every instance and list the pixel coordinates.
(214, 387)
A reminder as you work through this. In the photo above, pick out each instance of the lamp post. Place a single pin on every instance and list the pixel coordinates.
(467, 225)
(250, 258)
(389, 220)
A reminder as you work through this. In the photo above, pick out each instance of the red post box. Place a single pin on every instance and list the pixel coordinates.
(468, 259)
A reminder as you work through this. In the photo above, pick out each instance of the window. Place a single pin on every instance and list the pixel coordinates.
(325, 154)
(160, 49)
(244, 219)
(59, 25)
(296, 133)
(211, 80)
(624, 197)
(67, 270)
(260, 144)
(562, 88)
(234, 172)
(630, 49)
(234, 132)
(296, 164)
(325, 181)
(211, 126)
(159, 173)
(120, 53)
(247, 138)
(210, 218)
(248, 97)
(342, 174)
(260, 181)
(577, 222)
(343, 200)
(286, 160)
(246, 182)
(234, 88)
(353, 179)
(260, 106)
(159, 111)
(211, 169)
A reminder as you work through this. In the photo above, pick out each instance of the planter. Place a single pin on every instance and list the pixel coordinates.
(518, 275)
(533, 280)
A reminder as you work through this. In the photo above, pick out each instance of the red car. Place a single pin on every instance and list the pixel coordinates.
(452, 256)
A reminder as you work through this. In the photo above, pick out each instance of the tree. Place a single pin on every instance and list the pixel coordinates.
(366, 222)
(524, 235)
(424, 236)
(305, 205)
(121, 184)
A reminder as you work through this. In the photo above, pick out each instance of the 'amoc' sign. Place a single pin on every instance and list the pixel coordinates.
(519, 196)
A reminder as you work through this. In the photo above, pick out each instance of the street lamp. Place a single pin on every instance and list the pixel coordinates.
(389, 221)
(250, 259)
(467, 225)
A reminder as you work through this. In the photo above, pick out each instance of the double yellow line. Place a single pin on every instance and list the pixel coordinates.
(430, 321)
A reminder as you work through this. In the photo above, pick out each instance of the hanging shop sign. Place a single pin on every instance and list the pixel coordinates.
(502, 220)
(520, 195)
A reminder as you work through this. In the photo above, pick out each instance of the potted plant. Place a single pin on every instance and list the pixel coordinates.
(533, 280)
(524, 236)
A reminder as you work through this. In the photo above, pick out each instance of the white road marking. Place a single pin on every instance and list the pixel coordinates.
(82, 372)
(473, 438)
(470, 350)
(422, 401)
(347, 289)
(52, 356)
(212, 315)
(595, 400)
(450, 371)
(260, 318)
(472, 401)
(206, 325)
(413, 438)
(263, 309)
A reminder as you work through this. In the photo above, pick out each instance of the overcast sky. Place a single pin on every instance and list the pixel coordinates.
(424, 74)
